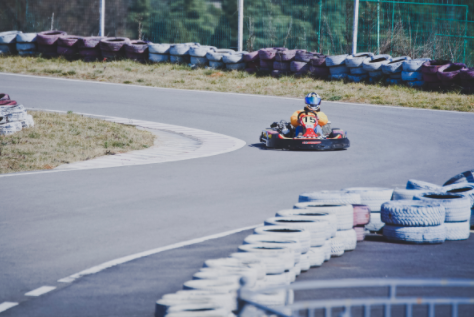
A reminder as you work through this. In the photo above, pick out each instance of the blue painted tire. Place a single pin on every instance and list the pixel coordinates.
(357, 78)
(417, 235)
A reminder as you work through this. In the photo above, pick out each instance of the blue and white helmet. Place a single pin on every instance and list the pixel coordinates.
(313, 101)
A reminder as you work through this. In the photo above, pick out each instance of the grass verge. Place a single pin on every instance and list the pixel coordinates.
(58, 139)
(181, 76)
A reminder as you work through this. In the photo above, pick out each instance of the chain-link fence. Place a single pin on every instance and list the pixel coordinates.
(428, 28)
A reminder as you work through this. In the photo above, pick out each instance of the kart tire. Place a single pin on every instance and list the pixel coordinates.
(274, 239)
(334, 196)
(317, 228)
(357, 60)
(360, 232)
(416, 184)
(305, 264)
(361, 214)
(357, 78)
(316, 256)
(216, 273)
(285, 56)
(417, 235)
(283, 254)
(432, 66)
(25, 46)
(66, 50)
(415, 84)
(216, 56)
(303, 236)
(349, 237)
(201, 51)
(406, 194)
(330, 219)
(49, 37)
(319, 72)
(158, 58)
(466, 190)
(450, 72)
(113, 44)
(413, 213)
(318, 61)
(336, 60)
(284, 66)
(48, 50)
(337, 246)
(159, 48)
(465, 177)
(267, 54)
(90, 42)
(136, 47)
(216, 65)
(375, 223)
(223, 284)
(305, 56)
(236, 66)
(179, 59)
(376, 63)
(358, 71)
(395, 66)
(68, 41)
(339, 70)
(299, 67)
(414, 65)
(180, 49)
(373, 197)
(26, 37)
(112, 55)
(251, 56)
(271, 263)
(343, 212)
(457, 230)
(239, 262)
(412, 76)
(458, 207)
(199, 61)
(327, 250)
(235, 58)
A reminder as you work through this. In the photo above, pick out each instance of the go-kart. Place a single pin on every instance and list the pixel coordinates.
(281, 135)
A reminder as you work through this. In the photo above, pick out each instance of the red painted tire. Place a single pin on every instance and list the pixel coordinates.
(451, 71)
(467, 74)
(4, 97)
(90, 42)
(304, 56)
(113, 44)
(285, 56)
(266, 64)
(318, 60)
(68, 41)
(65, 50)
(361, 214)
(299, 67)
(49, 37)
(251, 57)
(360, 232)
(136, 47)
(285, 66)
(48, 50)
(319, 71)
(432, 67)
(430, 78)
(267, 54)
(8, 102)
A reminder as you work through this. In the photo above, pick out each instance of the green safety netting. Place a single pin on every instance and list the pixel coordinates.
(418, 28)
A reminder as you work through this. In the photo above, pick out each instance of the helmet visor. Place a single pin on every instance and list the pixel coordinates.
(313, 101)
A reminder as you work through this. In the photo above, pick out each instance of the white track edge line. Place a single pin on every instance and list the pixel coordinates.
(7, 305)
(235, 93)
(128, 258)
(40, 291)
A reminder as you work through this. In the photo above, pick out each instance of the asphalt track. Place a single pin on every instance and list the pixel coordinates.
(54, 225)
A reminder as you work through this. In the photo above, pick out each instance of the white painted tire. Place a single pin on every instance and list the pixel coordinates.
(344, 213)
(159, 48)
(169, 300)
(275, 298)
(466, 190)
(416, 184)
(373, 197)
(327, 250)
(303, 236)
(304, 263)
(217, 55)
(178, 59)
(274, 239)
(201, 51)
(158, 58)
(337, 246)
(26, 37)
(317, 229)
(285, 254)
(8, 37)
(339, 70)
(403, 194)
(237, 57)
(458, 207)
(215, 274)
(457, 230)
(418, 235)
(413, 213)
(336, 60)
(328, 197)
(360, 232)
(357, 60)
(376, 223)
(228, 285)
(238, 263)
(216, 65)
(236, 66)
(209, 309)
(199, 61)
(272, 263)
(349, 237)
(375, 65)
(316, 256)
(330, 219)
(294, 247)
(180, 49)
(358, 71)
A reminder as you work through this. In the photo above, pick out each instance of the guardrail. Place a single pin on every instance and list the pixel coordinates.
(248, 308)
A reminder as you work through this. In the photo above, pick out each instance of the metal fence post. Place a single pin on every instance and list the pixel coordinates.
(240, 43)
(378, 27)
(355, 27)
(102, 18)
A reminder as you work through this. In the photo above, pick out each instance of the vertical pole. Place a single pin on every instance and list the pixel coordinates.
(319, 32)
(391, 33)
(102, 18)
(378, 27)
(241, 26)
(355, 27)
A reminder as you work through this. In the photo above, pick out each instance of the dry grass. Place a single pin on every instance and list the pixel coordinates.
(58, 139)
(181, 76)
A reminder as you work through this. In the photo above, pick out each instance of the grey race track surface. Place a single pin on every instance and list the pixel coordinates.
(54, 225)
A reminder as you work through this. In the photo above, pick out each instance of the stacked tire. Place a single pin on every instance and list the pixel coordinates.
(48, 43)
(159, 53)
(252, 62)
(411, 73)
(449, 75)
(467, 80)
(430, 71)
(68, 47)
(8, 42)
(266, 58)
(215, 57)
(337, 66)
(458, 212)
(411, 221)
(301, 64)
(361, 219)
(137, 50)
(113, 47)
(355, 63)
(198, 55)
(234, 61)
(374, 66)
(89, 48)
(282, 63)
(318, 67)
(13, 116)
(463, 180)
(466, 190)
(179, 53)
(26, 44)
(394, 70)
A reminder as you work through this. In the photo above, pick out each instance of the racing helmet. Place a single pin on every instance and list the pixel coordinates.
(313, 101)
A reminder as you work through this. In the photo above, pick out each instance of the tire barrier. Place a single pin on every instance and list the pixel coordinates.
(68, 46)
(26, 44)
(137, 51)
(13, 116)
(354, 61)
(113, 47)
(89, 48)
(376, 63)
(458, 207)
(8, 42)
(48, 41)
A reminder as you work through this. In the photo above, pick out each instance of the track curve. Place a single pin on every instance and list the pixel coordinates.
(54, 225)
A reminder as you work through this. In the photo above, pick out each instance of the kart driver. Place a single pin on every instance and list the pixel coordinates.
(313, 102)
